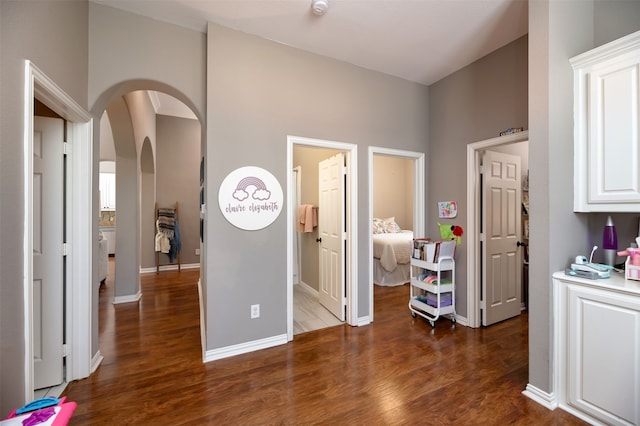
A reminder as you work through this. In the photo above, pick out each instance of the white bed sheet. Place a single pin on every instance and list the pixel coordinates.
(401, 275)
(393, 249)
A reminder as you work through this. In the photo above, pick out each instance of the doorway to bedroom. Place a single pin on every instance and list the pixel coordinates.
(396, 212)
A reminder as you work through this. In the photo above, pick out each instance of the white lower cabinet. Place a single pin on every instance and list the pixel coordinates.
(597, 348)
(109, 234)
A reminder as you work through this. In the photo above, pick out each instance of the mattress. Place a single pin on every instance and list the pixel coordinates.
(393, 249)
(392, 258)
(401, 275)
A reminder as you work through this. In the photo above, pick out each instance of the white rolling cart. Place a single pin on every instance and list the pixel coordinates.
(432, 289)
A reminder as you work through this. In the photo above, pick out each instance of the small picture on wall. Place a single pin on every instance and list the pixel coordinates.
(447, 209)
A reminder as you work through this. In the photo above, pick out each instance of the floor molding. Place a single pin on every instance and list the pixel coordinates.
(171, 267)
(543, 398)
(243, 348)
(96, 361)
(306, 287)
(127, 299)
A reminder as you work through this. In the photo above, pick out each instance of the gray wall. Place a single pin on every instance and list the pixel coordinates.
(259, 92)
(147, 205)
(53, 35)
(127, 279)
(471, 105)
(178, 179)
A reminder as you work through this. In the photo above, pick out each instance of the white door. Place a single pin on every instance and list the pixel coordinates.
(502, 257)
(331, 232)
(295, 253)
(48, 238)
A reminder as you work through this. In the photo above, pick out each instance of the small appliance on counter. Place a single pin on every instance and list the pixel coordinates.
(586, 269)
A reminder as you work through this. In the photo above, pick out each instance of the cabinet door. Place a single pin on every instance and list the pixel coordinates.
(107, 185)
(613, 134)
(606, 127)
(603, 359)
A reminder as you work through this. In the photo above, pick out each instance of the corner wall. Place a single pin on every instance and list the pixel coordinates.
(471, 105)
(557, 32)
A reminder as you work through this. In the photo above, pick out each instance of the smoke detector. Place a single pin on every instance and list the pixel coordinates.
(319, 7)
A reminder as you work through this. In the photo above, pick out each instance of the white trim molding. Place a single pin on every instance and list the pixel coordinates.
(548, 400)
(79, 207)
(127, 299)
(170, 267)
(243, 348)
(96, 361)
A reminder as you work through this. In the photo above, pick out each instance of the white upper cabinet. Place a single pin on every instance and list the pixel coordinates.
(606, 133)
(107, 191)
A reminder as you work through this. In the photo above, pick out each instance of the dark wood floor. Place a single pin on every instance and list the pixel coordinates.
(396, 371)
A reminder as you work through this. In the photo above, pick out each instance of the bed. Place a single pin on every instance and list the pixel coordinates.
(391, 256)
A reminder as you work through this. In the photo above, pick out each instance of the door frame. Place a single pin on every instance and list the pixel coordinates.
(419, 197)
(298, 251)
(473, 201)
(351, 156)
(79, 211)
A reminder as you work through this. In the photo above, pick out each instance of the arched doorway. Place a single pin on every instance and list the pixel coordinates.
(145, 136)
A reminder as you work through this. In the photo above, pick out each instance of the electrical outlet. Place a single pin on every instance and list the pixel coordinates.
(255, 311)
(197, 252)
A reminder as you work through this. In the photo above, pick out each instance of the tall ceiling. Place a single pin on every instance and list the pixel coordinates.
(417, 40)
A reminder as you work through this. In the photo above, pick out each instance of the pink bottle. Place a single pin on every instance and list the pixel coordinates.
(634, 255)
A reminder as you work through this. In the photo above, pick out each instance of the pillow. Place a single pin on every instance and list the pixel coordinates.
(390, 225)
(385, 226)
(378, 226)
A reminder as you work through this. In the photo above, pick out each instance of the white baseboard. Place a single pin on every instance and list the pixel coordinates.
(244, 348)
(171, 267)
(96, 361)
(543, 398)
(462, 320)
(203, 330)
(127, 299)
(306, 287)
(362, 321)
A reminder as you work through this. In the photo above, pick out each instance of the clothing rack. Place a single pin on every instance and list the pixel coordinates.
(155, 230)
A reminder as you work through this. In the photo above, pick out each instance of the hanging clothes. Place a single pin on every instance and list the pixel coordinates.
(175, 243)
(163, 245)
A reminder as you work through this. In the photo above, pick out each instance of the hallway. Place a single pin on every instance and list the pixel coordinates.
(396, 371)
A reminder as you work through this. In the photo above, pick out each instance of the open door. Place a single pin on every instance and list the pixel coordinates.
(331, 231)
(48, 239)
(502, 259)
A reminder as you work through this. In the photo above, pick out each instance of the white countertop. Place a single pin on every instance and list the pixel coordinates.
(616, 282)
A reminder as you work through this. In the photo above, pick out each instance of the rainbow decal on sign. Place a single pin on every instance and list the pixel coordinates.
(250, 198)
(260, 192)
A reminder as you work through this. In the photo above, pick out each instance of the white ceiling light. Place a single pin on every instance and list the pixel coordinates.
(319, 7)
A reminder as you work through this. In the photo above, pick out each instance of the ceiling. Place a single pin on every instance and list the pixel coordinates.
(417, 40)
